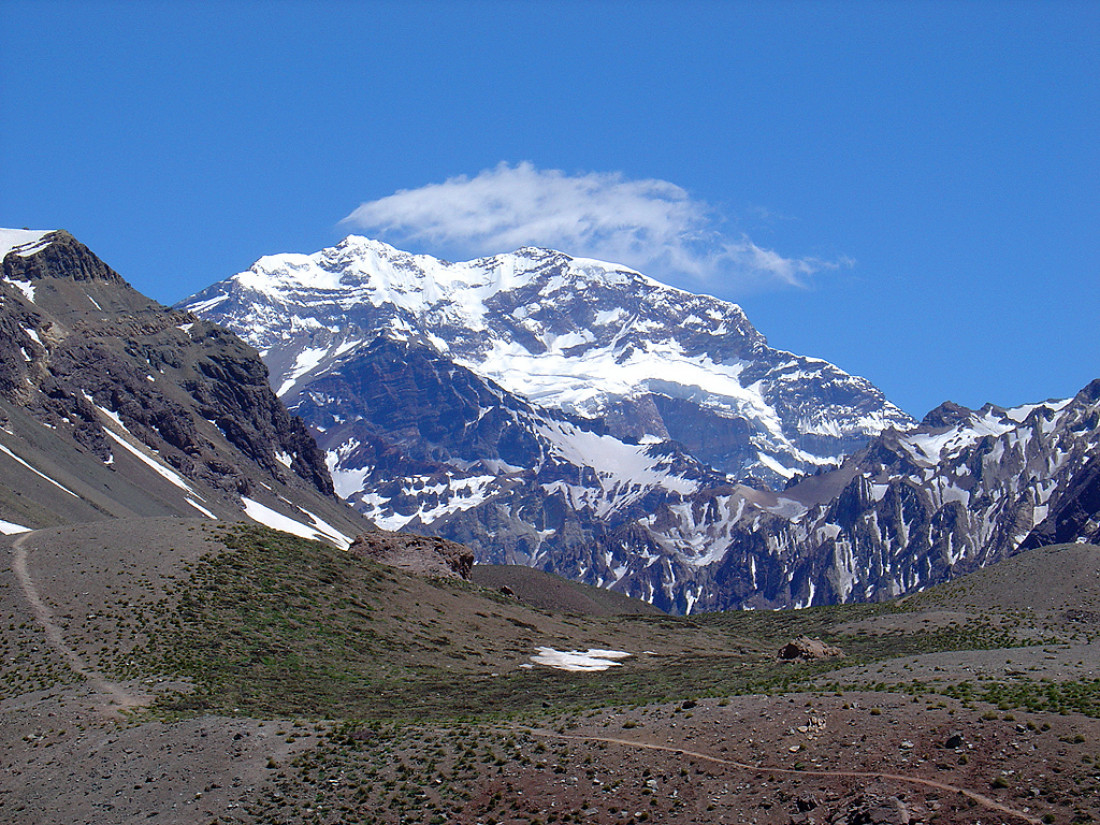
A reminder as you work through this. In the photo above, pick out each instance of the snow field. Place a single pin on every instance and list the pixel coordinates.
(588, 661)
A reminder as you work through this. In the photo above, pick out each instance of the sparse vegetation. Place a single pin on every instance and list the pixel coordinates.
(432, 714)
(276, 625)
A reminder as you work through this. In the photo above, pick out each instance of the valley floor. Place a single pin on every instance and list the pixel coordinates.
(951, 710)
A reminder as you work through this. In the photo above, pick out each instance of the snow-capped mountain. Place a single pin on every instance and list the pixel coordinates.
(579, 336)
(542, 408)
(581, 417)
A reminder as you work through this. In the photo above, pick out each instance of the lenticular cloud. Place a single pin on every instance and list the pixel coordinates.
(651, 225)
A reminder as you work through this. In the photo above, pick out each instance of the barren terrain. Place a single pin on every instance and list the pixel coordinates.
(179, 671)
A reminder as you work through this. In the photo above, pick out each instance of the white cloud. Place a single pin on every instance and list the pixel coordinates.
(652, 225)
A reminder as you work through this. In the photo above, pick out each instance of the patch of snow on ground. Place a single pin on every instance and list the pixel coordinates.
(617, 464)
(460, 494)
(691, 597)
(202, 306)
(23, 286)
(60, 486)
(774, 465)
(347, 482)
(277, 521)
(21, 241)
(1018, 414)
(347, 346)
(201, 509)
(584, 384)
(160, 469)
(109, 413)
(328, 530)
(9, 528)
(307, 359)
(577, 661)
(610, 316)
(788, 508)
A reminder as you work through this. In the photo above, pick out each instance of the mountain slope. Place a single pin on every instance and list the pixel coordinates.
(962, 491)
(112, 406)
(444, 701)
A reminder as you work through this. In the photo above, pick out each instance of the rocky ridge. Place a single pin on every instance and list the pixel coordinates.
(114, 406)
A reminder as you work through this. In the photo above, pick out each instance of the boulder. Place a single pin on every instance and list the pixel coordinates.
(805, 649)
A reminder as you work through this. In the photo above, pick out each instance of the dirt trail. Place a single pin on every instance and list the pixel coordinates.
(980, 799)
(118, 698)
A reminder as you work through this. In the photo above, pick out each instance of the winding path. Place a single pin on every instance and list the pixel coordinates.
(119, 699)
(980, 799)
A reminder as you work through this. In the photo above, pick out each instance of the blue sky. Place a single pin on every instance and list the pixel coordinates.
(909, 190)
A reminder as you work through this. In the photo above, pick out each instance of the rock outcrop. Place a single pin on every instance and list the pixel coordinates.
(805, 649)
(425, 555)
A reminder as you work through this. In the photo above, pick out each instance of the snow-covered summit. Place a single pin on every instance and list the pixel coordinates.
(586, 337)
(360, 271)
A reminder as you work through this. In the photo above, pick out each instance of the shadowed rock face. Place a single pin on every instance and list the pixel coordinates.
(427, 555)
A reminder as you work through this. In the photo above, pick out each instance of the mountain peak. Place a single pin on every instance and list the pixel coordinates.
(54, 254)
(114, 405)
(947, 414)
(578, 335)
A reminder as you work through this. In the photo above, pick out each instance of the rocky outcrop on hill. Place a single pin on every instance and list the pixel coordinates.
(111, 359)
(426, 555)
(805, 649)
(59, 255)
